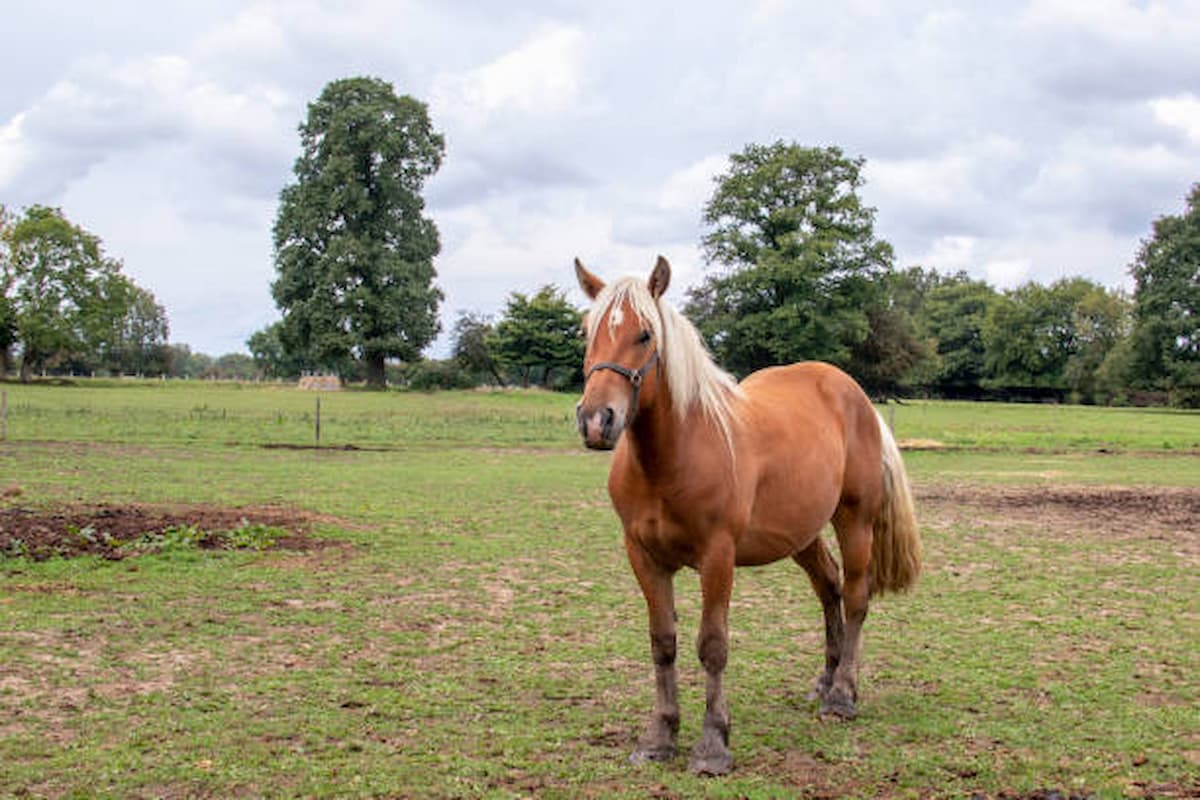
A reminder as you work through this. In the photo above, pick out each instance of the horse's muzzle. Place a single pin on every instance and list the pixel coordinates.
(599, 428)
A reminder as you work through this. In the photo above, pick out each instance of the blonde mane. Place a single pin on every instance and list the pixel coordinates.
(692, 376)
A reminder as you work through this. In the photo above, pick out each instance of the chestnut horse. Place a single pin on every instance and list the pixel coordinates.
(710, 474)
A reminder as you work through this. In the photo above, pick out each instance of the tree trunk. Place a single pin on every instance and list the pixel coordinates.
(496, 374)
(376, 377)
(26, 370)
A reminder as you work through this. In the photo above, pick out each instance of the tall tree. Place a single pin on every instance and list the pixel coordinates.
(8, 306)
(798, 258)
(271, 358)
(1166, 313)
(1102, 321)
(472, 334)
(538, 334)
(894, 355)
(353, 250)
(68, 296)
(1030, 334)
(952, 316)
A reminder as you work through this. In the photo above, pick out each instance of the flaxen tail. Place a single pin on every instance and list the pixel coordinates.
(896, 546)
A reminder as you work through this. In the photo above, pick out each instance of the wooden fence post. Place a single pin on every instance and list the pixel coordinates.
(318, 425)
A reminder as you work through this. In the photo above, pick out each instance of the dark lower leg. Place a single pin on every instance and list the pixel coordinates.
(823, 573)
(842, 696)
(711, 755)
(854, 539)
(657, 743)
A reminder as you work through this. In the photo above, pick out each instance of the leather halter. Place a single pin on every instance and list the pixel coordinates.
(634, 376)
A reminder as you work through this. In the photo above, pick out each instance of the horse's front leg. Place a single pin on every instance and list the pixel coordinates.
(711, 755)
(658, 741)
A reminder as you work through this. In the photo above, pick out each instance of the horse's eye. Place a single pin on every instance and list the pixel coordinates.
(644, 337)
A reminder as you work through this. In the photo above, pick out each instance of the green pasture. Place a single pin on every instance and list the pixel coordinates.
(221, 413)
(469, 627)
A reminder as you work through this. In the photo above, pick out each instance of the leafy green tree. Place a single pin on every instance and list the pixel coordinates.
(1102, 320)
(1166, 314)
(144, 333)
(8, 307)
(538, 335)
(186, 364)
(128, 334)
(271, 358)
(471, 335)
(952, 317)
(895, 355)
(798, 258)
(353, 250)
(69, 297)
(891, 355)
(233, 366)
(1030, 334)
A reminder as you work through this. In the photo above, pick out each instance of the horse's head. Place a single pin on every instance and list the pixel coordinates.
(622, 368)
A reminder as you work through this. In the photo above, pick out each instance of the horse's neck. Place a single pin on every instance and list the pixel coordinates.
(664, 442)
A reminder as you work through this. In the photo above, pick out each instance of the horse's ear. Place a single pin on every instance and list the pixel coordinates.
(590, 284)
(660, 278)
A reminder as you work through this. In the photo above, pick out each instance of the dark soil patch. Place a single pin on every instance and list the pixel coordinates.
(107, 530)
(1104, 507)
(350, 448)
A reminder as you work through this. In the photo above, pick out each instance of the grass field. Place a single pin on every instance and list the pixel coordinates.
(463, 623)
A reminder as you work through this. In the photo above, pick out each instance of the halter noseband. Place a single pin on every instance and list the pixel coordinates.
(634, 376)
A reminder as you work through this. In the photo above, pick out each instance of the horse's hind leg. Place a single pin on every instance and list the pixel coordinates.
(825, 576)
(854, 534)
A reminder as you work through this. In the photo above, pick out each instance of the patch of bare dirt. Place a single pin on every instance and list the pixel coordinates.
(105, 530)
(1100, 511)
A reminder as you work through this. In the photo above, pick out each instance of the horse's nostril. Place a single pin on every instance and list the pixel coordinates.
(608, 416)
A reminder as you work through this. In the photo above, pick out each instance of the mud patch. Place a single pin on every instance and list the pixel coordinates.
(1099, 511)
(108, 530)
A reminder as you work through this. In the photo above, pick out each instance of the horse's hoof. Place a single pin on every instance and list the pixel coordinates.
(838, 705)
(665, 752)
(819, 691)
(710, 765)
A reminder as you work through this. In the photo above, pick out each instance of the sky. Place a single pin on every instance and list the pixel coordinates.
(1016, 141)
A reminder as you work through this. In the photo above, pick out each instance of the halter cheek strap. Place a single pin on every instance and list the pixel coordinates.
(634, 376)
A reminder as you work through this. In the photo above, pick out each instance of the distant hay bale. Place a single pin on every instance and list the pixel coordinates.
(920, 444)
(321, 383)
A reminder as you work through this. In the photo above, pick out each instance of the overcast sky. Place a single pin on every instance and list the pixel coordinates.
(1017, 141)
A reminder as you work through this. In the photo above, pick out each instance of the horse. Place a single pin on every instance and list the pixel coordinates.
(708, 473)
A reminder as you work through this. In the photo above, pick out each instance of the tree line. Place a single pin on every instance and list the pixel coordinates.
(799, 274)
(795, 272)
(66, 306)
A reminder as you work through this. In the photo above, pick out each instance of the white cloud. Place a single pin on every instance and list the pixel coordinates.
(254, 30)
(1120, 21)
(1014, 145)
(690, 188)
(1181, 111)
(951, 254)
(1007, 273)
(14, 150)
(539, 78)
(146, 102)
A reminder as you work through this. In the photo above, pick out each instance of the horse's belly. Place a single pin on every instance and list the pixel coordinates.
(763, 546)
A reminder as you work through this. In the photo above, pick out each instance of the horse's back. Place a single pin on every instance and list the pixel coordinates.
(812, 418)
(812, 389)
